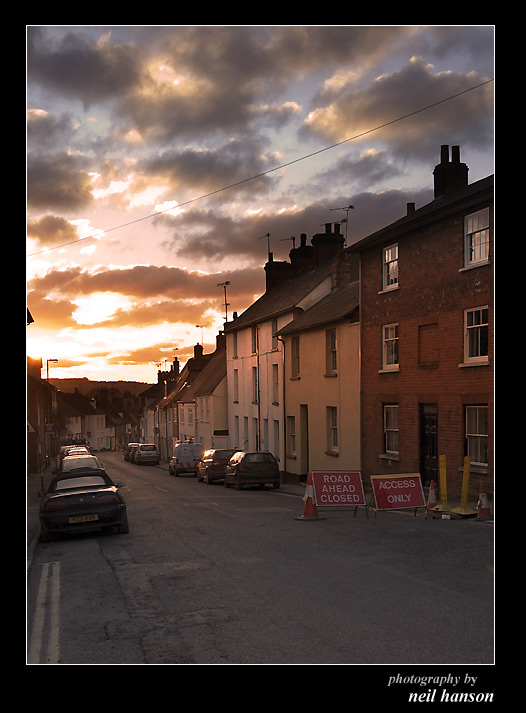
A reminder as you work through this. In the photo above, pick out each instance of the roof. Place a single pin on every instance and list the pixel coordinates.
(283, 296)
(438, 209)
(339, 304)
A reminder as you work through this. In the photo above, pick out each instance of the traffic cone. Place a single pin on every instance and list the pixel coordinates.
(482, 505)
(310, 511)
(432, 498)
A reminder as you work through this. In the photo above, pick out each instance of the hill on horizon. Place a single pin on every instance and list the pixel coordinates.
(86, 387)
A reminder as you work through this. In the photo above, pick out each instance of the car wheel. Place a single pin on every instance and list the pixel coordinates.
(123, 528)
(275, 485)
(238, 483)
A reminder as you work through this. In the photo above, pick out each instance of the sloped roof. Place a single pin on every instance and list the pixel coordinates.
(337, 305)
(437, 209)
(283, 296)
(76, 404)
(208, 379)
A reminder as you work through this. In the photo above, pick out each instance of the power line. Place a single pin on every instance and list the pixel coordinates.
(270, 170)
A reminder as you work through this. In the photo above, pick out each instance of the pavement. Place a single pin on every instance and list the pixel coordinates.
(36, 482)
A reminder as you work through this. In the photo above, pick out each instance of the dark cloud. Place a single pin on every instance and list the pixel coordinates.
(58, 182)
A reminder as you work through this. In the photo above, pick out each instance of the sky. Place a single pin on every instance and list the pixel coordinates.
(163, 161)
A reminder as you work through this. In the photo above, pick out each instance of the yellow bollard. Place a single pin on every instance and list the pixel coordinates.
(443, 506)
(463, 509)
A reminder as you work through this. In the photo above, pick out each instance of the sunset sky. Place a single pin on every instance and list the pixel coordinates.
(159, 158)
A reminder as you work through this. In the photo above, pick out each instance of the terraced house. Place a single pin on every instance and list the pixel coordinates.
(426, 313)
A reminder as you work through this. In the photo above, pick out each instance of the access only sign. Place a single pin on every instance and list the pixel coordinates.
(398, 491)
(338, 488)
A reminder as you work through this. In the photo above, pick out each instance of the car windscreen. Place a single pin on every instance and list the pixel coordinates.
(82, 481)
(223, 455)
(148, 448)
(79, 463)
(259, 458)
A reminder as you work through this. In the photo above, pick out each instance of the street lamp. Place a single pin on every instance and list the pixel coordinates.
(48, 361)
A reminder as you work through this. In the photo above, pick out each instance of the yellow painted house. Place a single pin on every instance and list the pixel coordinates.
(322, 384)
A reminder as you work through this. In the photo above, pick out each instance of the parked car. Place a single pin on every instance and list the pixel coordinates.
(69, 450)
(211, 467)
(75, 464)
(146, 453)
(127, 450)
(252, 468)
(80, 502)
(131, 454)
(186, 457)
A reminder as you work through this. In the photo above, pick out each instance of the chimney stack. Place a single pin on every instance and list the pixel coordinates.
(449, 175)
(327, 244)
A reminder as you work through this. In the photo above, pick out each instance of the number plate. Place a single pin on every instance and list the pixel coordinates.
(83, 518)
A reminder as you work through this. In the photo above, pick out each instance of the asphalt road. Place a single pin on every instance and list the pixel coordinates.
(210, 575)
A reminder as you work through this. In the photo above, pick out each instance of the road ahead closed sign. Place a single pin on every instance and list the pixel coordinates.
(398, 491)
(338, 488)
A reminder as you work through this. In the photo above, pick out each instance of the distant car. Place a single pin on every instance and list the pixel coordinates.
(68, 450)
(77, 451)
(132, 451)
(146, 453)
(211, 467)
(252, 468)
(186, 457)
(127, 450)
(80, 502)
(75, 464)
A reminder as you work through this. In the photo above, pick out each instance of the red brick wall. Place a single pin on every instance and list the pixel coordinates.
(429, 307)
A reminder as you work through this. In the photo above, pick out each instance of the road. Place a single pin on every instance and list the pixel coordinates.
(210, 575)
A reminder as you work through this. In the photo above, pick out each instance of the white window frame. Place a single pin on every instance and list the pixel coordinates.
(295, 365)
(390, 353)
(476, 238)
(476, 328)
(291, 435)
(391, 430)
(331, 340)
(333, 442)
(476, 424)
(390, 267)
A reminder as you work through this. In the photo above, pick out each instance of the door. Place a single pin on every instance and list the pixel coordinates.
(429, 443)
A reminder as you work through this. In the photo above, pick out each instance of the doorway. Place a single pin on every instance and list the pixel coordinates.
(428, 443)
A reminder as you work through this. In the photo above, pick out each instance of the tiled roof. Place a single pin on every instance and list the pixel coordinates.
(337, 305)
(283, 296)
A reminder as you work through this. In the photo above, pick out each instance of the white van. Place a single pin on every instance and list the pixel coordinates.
(185, 458)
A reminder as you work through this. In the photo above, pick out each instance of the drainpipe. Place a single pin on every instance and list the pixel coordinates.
(284, 410)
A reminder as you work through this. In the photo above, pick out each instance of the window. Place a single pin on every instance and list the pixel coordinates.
(390, 267)
(291, 435)
(391, 429)
(390, 346)
(234, 347)
(275, 384)
(236, 385)
(477, 434)
(332, 429)
(331, 351)
(254, 385)
(295, 357)
(274, 334)
(476, 238)
(254, 340)
(476, 335)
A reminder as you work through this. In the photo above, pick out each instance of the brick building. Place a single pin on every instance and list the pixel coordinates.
(426, 311)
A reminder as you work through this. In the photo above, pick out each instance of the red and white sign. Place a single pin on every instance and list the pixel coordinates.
(398, 491)
(336, 488)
